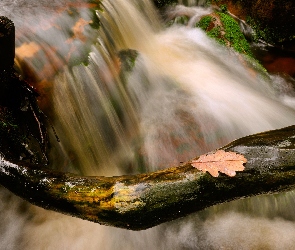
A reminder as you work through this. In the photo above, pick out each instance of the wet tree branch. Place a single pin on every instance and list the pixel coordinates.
(142, 201)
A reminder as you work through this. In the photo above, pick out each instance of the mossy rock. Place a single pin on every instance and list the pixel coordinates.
(225, 30)
(273, 21)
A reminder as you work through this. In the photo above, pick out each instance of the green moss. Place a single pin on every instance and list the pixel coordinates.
(234, 35)
(204, 22)
(257, 65)
(238, 41)
(228, 33)
(223, 8)
(215, 33)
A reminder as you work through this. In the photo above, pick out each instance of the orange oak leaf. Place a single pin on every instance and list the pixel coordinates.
(224, 162)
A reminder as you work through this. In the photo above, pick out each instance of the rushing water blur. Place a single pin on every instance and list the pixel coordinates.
(149, 97)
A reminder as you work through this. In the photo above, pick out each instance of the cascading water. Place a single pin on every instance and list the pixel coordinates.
(185, 95)
(180, 93)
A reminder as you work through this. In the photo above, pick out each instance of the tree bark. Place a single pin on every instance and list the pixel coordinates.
(141, 201)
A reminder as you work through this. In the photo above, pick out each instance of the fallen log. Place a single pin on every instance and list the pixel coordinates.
(142, 201)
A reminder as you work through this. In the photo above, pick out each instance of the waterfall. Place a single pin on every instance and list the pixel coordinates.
(177, 102)
(181, 95)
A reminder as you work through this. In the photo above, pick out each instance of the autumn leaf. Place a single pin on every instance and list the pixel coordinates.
(224, 162)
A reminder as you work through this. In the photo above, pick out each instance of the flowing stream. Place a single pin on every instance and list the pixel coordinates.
(149, 97)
